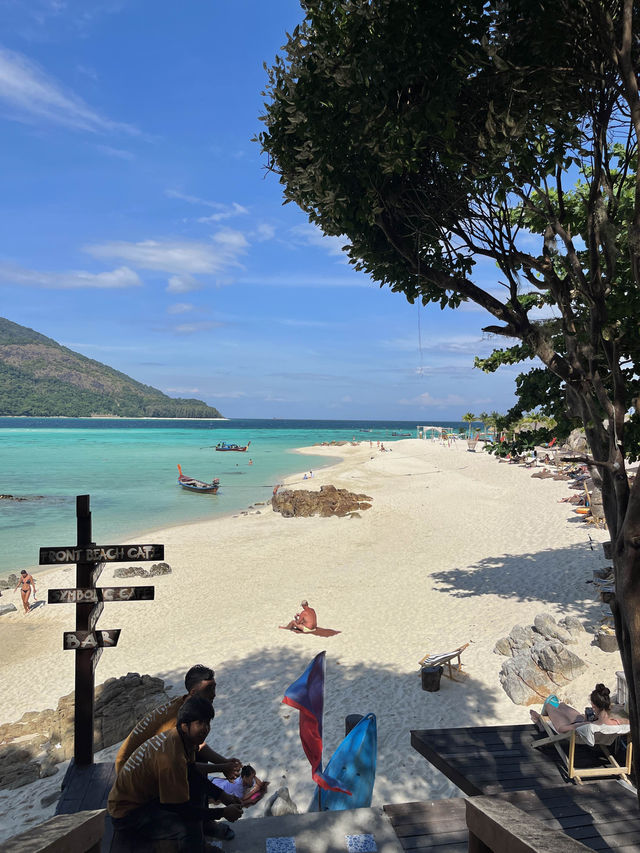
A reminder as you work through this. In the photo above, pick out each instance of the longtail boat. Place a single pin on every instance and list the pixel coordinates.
(224, 445)
(197, 485)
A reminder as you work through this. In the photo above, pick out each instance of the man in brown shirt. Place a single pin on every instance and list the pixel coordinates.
(158, 793)
(199, 681)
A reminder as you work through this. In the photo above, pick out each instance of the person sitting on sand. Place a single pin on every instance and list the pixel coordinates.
(247, 787)
(160, 796)
(564, 718)
(25, 583)
(304, 621)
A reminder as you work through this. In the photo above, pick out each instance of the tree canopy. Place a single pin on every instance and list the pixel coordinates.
(432, 134)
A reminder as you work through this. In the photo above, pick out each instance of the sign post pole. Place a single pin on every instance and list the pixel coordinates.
(86, 641)
(84, 676)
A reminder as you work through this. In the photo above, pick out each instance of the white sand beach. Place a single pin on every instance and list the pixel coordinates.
(456, 548)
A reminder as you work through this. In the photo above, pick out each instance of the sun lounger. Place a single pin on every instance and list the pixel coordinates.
(445, 658)
(592, 735)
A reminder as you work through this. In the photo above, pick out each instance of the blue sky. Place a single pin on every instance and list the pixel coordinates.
(140, 228)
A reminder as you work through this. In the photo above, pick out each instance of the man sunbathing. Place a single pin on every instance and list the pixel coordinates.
(564, 718)
(304, 621)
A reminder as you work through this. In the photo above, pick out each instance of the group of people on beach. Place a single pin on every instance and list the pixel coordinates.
(165, 775)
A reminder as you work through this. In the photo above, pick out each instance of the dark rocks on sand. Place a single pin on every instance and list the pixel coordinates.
(327, 502)
(31, 747)
(7, 608)
(140, 572)
(530, 676)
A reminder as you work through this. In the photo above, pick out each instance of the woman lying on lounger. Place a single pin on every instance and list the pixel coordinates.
(564, 718)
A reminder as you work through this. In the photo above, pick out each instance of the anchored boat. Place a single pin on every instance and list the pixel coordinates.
(193, 485)
(224, 445)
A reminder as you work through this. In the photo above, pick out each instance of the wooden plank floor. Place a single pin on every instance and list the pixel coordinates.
(599, 816)
(86, 788)
(493, 759)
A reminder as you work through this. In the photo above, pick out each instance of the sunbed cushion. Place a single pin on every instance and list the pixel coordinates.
(593, 734)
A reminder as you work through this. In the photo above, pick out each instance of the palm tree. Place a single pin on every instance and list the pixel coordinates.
(469, 418)
(484, 417)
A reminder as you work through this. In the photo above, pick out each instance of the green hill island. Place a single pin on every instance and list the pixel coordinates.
(41, 378)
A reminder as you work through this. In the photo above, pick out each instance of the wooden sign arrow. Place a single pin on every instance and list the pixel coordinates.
(90, 639)
(100, 554)
(105, 593)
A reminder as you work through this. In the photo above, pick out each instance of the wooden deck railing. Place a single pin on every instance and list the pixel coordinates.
(496, 825)
(65, 833)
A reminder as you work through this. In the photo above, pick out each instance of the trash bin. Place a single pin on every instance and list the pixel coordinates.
(350, 722)
(431, 678)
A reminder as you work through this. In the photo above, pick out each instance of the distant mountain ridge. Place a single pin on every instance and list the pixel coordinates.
(41, 378)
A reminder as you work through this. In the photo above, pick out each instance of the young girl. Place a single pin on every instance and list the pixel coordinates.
(565, 718)
(247, 786)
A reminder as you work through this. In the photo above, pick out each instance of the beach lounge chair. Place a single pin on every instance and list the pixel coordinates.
(445, 658)
(593, 735)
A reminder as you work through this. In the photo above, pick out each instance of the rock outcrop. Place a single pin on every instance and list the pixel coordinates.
(539, 662)
(140, 572)
(31, 747)
(328, 501)
(280, 804)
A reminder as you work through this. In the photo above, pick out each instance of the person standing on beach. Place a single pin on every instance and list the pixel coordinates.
(26, 582)
(159, 795)
(199, 681)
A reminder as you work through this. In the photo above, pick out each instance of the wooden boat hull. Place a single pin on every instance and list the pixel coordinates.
(193, 485)
(231, 448)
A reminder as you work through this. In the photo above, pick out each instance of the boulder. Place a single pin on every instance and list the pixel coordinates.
(546, 625)
(4, 583)
(577, 441)
(530, 676)
(280, 804)
(41, 739)
(329, 501)
(159, 569)
(7, 608)
(573, 625)
(502, 647)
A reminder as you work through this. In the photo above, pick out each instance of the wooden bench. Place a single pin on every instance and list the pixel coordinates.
(65, 833)
(496, 826)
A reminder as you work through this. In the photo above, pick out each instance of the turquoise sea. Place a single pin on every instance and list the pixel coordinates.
(129, 467)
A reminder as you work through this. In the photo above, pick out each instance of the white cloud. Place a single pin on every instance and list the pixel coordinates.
(28, 93)
(264, 231)
(180, 308)
(177, 256)
(229, 211)
(192, 328)
(229, 395)
(304, 279)
(424, 400)
(182, 390)
(122, 277)
(119, 153)
(223, 211)
(182, 284)
(456, 344)
(311, 235)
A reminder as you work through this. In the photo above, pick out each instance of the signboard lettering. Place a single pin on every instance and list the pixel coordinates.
(105, 593)
(76, 640)
(100, 554)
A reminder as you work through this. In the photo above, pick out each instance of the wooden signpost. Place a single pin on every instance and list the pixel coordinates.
(86, 641)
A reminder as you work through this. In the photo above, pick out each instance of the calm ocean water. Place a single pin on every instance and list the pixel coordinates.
(129, 469)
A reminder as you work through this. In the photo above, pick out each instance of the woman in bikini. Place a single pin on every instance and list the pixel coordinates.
(565, 718)
(25, 583)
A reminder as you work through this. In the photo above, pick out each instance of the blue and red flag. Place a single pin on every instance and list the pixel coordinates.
(307, 695)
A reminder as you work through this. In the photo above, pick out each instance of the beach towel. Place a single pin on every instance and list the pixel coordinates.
(319, 632)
